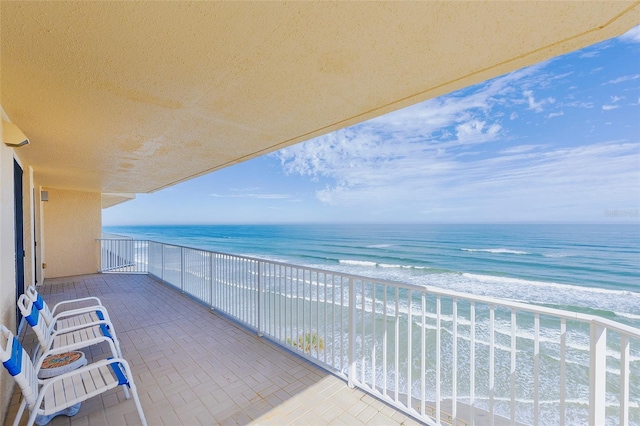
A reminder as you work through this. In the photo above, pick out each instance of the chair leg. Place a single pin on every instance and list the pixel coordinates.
(23, 404)
(32, 417)
(125, 388)
(134, 391)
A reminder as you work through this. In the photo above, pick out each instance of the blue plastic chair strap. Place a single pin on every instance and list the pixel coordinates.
(100, 315)
(39, 302)
(14, 364)
(105, 331)
(117, 370)
(32, 318)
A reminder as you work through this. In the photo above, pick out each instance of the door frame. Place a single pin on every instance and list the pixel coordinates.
(18, 203)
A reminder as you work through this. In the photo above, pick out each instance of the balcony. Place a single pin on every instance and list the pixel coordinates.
(411, 351)
(192, 366)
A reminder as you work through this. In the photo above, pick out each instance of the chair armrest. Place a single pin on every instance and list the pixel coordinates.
(79, 311)
(55, 333)
(66, 302)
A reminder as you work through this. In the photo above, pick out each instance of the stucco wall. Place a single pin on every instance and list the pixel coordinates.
(72, 223)
(7, 262)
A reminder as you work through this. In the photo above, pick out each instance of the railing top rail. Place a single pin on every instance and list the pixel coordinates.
(503, 303)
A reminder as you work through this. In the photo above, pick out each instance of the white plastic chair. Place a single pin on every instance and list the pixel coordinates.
(49, 338)
(62, 394)
(72, 317)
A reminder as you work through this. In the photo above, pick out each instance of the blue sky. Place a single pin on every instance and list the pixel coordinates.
(555, 142)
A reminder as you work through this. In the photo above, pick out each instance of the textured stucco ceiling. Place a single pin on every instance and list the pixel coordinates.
(128, 97)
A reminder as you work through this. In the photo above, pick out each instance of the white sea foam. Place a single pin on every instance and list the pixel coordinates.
(496, 251)
(628, 315)
(380, 245)
(518, 281)
(366, 263)
(357, 262)
(556, 255)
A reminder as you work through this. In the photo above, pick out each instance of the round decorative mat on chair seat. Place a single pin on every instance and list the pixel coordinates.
(60, 360)
(54, 365)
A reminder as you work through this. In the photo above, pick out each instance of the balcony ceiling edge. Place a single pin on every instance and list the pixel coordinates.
(132, 97)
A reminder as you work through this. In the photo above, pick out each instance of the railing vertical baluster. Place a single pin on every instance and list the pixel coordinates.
(304, 292)
(268, 289)
(224, 294)
(317, 328)
(333, 321)
(277, 289)
(260, 298)
(311, 327)
(384, 340)
(454, 352)
(182, 269)
(409, 347)
(233, 283)
(297, 282)
(211, 257)
(491, 364)
(342, 324)
(228, 261)
(472, 360)
(624, 379)
(513, 367)
(291, 302)
(373, 333)
(438, 357)
(536, 370)
(163, 262)
(597, 374)
(237, 280)
(423, 355)
(325, 317)
(396, 363)
(363, 337)
(563, 369)
(352, 333)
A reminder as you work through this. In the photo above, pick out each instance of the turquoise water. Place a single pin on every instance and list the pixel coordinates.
(586, 268)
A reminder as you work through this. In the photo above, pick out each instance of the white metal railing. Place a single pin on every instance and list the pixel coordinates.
(441, 356)
(123, 255)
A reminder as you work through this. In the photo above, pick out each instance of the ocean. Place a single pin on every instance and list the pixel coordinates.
(593, 269)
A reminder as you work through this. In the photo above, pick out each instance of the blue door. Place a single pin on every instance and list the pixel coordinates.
(19, 226)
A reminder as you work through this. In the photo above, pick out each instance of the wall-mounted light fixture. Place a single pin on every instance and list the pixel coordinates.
(44, 195)
(12, 136)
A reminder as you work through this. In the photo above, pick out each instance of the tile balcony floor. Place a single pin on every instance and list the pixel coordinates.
(192, 366)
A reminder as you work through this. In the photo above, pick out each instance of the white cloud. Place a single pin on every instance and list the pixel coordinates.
(590, 54)
(632, 36)
(475, 131)
(579, 104)
(520, 149)
(609, 107)
(253, 195)
(536, 106)
(622, 79)
(451, 155)
(519, 182)
(615, 99)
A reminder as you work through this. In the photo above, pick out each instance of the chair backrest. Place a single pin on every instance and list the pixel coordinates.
(42, 306)
(32, 315)
(16, 360)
